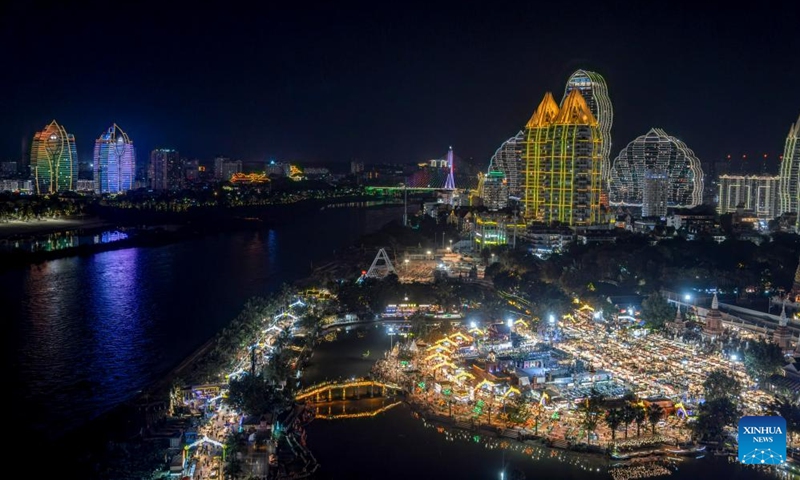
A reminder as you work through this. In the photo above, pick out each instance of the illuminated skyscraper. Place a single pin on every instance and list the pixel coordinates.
(758, 193)
(594, 90)
(657, 151)
(790, 173)
(54, 160)
(495, 190)
(562, 155)
(114, 162)
(508, 160)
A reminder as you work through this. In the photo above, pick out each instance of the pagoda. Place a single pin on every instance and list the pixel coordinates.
(794, 295)
(677, 325)
(782, 336)
(712, 330)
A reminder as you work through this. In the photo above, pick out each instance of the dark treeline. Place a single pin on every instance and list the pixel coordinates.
(635, 265)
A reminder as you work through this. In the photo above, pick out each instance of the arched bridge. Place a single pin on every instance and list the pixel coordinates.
(346, 390)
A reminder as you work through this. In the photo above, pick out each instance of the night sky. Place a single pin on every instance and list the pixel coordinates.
(381, 82)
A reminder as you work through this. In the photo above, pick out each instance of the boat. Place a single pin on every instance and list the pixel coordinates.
(365, 354)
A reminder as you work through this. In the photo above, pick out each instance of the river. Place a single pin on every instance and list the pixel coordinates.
(86, 333)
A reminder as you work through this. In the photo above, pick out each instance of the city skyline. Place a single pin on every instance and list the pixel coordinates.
(310, 86)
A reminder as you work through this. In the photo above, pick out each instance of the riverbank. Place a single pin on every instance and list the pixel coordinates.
(144, 229)
(19, 228)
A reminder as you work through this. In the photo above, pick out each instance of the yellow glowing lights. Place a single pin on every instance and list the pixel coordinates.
(249, 178)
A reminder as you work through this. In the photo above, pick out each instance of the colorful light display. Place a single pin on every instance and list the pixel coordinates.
(562, 155)
(54, 160)
(249, 178)
(114, 162)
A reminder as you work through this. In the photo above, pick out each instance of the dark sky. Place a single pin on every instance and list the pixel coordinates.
(381, 82)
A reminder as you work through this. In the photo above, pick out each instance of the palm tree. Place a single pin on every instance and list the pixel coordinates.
(639, 416)
(654, 414)
(591, 409)
(628, 415)
(614, 420)
(538, 412)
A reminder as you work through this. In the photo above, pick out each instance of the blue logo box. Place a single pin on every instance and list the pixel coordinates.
(762, 440)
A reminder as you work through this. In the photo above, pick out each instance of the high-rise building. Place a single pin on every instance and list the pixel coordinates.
(758, 193)
(224, 168)
(508, 160)
(790, 174)
(219, 161)
(562, 155)
(495, 190)
(231, 167)
(114, 162)
(54, 160)
(657, 151)
(594, 90)
(356, 167)
(191, 170)
(165, 172)
(654, 202)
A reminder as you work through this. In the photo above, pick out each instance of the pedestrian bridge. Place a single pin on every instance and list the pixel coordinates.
(355, 389)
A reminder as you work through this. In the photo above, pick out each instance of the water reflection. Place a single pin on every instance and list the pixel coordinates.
(85, 333)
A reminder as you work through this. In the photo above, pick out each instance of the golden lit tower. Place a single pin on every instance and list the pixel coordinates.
(54, 160)
(562, 153)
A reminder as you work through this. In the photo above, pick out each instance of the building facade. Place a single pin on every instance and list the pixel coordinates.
(54, 160)
(752, 192)
(166, 170)
(790, 174)
(508, 160)
(114, 162)
(562, 156)
(657, 151)
(229, 169)
(495, 190)
(654, 196)
(594, 90)
(493, 229)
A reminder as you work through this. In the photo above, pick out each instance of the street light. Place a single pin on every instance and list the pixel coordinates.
(687, 297)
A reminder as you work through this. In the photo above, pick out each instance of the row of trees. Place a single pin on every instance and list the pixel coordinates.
(595, 409)
(14, 206)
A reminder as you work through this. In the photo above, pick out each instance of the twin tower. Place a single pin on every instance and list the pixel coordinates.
(54, 161)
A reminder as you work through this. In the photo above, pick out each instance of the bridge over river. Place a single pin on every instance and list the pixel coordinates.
(357, 398)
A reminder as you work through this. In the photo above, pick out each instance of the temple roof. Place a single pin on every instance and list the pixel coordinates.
(545, 113)
(783, 321)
